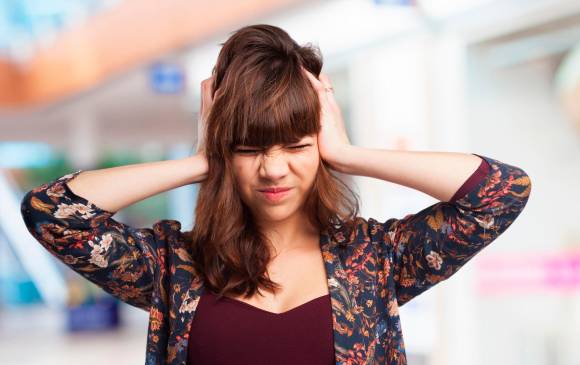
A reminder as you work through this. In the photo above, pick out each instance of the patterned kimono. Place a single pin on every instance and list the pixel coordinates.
(371, 273)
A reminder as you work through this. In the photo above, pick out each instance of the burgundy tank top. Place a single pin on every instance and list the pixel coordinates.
(229, 331)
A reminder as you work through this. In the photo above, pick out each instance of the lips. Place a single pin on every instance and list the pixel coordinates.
(275, 194)
(274, 190)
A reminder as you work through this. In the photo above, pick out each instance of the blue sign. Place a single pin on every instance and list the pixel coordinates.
(167, 78)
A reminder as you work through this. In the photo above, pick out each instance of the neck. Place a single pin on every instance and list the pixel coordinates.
(294, 233)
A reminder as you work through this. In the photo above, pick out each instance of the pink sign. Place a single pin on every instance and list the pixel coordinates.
(517, 273)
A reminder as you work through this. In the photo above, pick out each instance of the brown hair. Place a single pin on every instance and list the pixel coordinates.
(261, 98)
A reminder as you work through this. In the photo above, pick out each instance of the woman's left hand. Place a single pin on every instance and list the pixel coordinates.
(333, 141)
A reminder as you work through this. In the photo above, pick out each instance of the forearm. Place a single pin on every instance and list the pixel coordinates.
(117, 187)
(438, 174)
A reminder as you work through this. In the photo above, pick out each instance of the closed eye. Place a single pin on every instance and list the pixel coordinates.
(252, 151)
(247, 151)
(299, 146)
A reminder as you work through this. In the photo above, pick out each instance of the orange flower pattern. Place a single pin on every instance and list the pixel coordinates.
(377, 269)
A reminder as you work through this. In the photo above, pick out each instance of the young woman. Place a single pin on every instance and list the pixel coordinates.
(278, 268)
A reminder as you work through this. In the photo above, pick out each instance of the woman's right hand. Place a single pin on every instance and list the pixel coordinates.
(206, 104)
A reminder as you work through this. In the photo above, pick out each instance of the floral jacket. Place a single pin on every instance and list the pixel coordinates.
(377, 269)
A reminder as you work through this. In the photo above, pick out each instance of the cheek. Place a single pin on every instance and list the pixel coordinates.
(313, 162)
(309, 169)
(242, 176)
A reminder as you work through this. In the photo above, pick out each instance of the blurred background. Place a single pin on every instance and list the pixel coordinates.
(90, 84)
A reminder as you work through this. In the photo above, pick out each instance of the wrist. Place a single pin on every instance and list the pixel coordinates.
(197, 167)
(344, 161)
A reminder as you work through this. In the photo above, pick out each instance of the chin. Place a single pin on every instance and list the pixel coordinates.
(276, 214)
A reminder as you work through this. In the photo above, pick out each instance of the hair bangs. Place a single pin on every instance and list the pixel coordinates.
(283, 113)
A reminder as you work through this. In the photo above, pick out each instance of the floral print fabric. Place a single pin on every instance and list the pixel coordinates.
(381, 266)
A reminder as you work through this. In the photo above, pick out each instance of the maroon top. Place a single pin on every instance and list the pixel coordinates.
(229, 331)
(475, 178)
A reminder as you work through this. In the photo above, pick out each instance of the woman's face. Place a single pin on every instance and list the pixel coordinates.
(290, 168)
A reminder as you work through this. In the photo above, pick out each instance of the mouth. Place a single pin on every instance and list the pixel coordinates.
(275, 194)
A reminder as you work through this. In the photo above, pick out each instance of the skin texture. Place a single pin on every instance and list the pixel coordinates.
(294, 166)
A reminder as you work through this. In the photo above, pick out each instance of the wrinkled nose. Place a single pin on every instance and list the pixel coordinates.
(273, 166)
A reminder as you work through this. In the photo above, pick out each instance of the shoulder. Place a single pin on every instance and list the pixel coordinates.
(366, 232)
(168, 229)
(366, 226)
(356, 230)
(167, 226)
(169, 235)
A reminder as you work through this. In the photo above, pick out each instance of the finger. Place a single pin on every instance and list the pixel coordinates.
(322, 85)
(320, 90)
(206, 96)
(325, 80)
(328, 104)
(206, 87)
(318, 86)
(326, 83)
(207, 83)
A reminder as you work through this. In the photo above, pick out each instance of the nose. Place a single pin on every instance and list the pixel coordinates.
(273, 165)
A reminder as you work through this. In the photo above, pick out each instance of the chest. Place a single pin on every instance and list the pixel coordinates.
(350, 283)
(302, 278)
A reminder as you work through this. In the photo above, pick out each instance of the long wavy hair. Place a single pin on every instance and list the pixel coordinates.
(260, 98)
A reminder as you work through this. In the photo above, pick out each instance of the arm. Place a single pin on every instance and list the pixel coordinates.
(118, 187)
(438, 174)
(481, 197)
(71, 218)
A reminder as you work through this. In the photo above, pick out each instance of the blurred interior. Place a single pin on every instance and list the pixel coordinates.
(98, 83)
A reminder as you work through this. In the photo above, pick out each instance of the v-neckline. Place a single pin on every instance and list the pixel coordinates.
(273, 313)
(338, 285)
(322, 245)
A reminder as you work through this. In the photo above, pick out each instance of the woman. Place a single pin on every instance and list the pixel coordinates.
(278, 268)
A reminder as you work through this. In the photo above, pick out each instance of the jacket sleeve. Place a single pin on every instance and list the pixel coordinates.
(118, 258)
(428, 247)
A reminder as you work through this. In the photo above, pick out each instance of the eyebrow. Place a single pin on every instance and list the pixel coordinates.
(265, 147)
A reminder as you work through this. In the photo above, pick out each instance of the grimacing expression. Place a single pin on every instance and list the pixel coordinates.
(292, 167)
